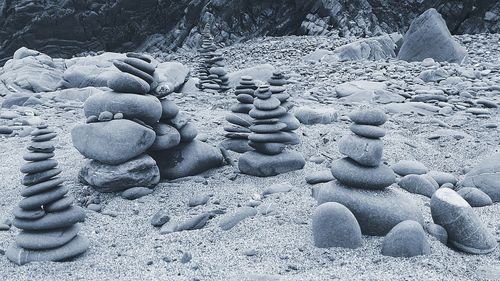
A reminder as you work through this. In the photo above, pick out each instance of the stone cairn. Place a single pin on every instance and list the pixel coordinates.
(46, 216)
(211, 72)
(270, 133)
(277, 83)
(238, 131)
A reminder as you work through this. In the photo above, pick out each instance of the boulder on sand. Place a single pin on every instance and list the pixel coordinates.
(429, 37)
(485, 177)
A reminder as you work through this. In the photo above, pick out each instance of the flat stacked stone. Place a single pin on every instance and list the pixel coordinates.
(362, 179)
(122, 125)
(277, 83)
(46, 215)
(212, 70)
(269, 139)
(240, 121)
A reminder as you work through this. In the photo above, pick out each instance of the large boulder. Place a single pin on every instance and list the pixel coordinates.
(377, 211)
(485, 177)
(112, 142)
(375, 48)
(187, 159)
(143, 107)
(140, 171)
(90, 71)
(32, 71)
(429, 37)
(465, 230)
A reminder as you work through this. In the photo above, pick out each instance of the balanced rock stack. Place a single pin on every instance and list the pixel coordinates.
(277, 83)
(119, 129)
(46, 216)
(269, 137)
(238, 131)
(211, 72)
(362, 180)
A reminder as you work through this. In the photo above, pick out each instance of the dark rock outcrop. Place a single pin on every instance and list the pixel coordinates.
(63, 28)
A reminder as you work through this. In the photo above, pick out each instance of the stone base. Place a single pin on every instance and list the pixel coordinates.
(261, 165)
(140, 171)
(377, 211)
(236, 145)
(73, 248)
(187, 159)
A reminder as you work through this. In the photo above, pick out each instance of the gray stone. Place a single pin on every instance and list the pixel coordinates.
(160, 218)
(443, 177)
(437, 232)
(62, 219)
(365, 151)
(311, 116)
(198, 200)
(406, 239)
(277, 188)
(417, 184)
(377, 211)
(409, 167)
(231, 220)
(333, 225)
(429, 37)
(74, 248)
(196, 222)
(486, 177)
(166, 137)
(261, 165)
(139, 171)
(112, 142)
(136, 193)
(236, 145)
(373, 117)
(188, 133)
(187, 159)
(367, 131)
(319, 177)
(128, 83)
(352, 174)
(465, 230)
(169, 109)
(475, 197)
(144, 107)
(41, 240)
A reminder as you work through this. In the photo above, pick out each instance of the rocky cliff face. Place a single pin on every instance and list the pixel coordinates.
(63, 28)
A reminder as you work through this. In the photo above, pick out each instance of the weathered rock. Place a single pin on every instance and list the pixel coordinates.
(465, 230)
(429, 37)
(260, 165)
(485, 177)
(112, 142)
(139, 171)
(377, 211)
(333, 225)
(144, 107)
(187, 159)
(406, 239)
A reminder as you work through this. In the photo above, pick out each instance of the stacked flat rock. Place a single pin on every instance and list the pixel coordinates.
(238, 130)
(362, 180)
(362, 168)
(46, 215)
(211, 72)
(121, 127)
(277, 83)
(269, 137)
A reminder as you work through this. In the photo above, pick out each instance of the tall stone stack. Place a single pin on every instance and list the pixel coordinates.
(362, 179)
(211, 71)
(240, 121)
(46, 215)
(269, 138)
(119, 130)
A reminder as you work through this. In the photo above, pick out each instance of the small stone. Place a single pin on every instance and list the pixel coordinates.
(333, 225)
(128, 83)
(367, 131)
(407, 239)
(319, 177)
(118, 115)
(443, 177)
(418, 184)
(39, 166)
(437, 231)
(369, 117)
(94, 207)
(232, 219)
(365, 151)
(186, 257)
(169, 109)
(196, 222)
(311, 116)
(409, 167)
(277, 188)
(105, 116)
(136, 192)
(198, 200)
(261, 165)
(160, 218)
(475, 197)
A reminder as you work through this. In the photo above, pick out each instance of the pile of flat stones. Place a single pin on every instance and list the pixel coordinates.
(46, 215)
(270, 133)
(212, 70)
(238, 130)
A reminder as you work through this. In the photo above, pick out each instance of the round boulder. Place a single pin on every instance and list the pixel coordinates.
(407, 239)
